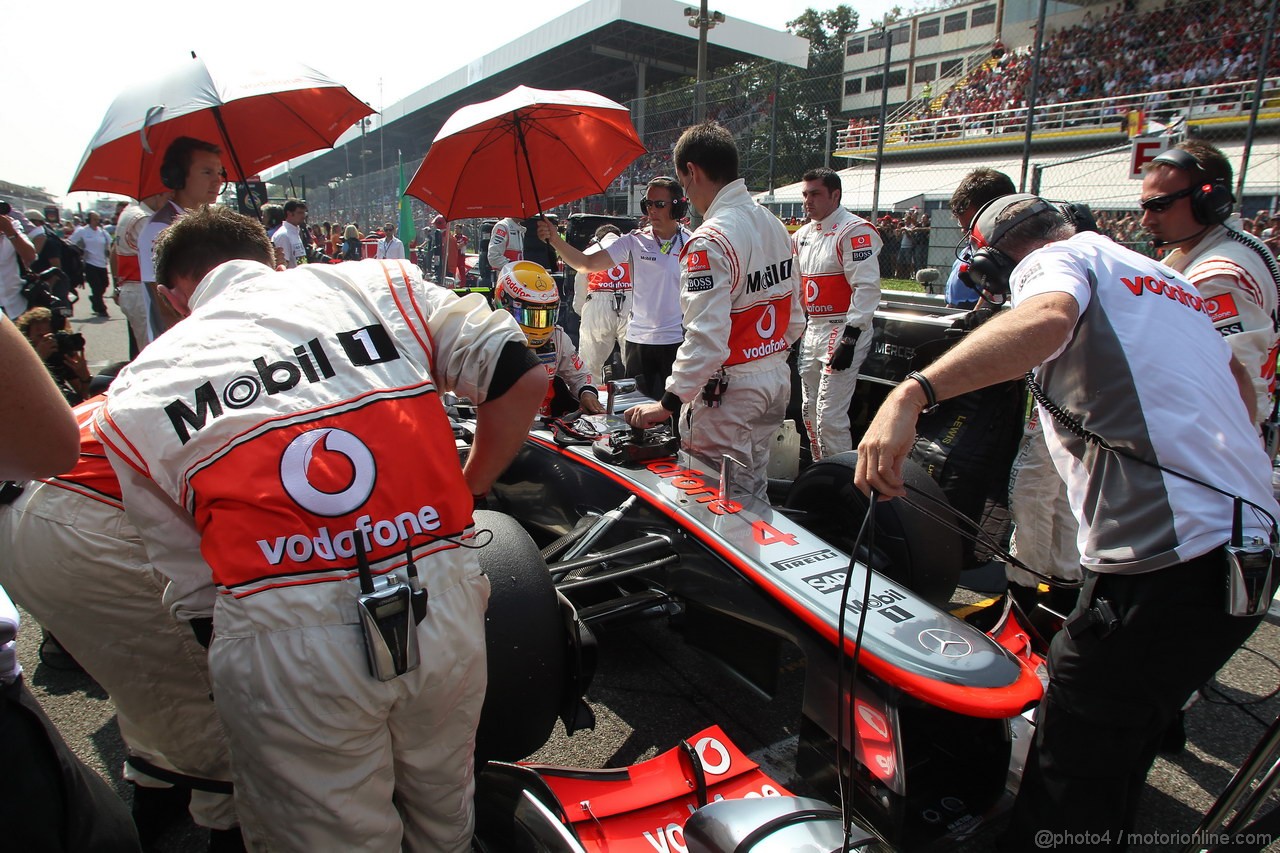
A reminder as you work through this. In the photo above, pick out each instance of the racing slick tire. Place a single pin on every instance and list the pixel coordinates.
(910, 547)
(525, 640)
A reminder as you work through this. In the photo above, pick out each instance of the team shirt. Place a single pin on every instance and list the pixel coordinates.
(1145, 370)
(655, 275)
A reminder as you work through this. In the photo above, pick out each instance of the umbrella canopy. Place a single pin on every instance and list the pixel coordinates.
(260, 111)
(525, 151)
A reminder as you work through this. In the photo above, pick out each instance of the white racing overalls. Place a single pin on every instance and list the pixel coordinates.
(291, 419)
(839, 260)
(559, 358)
(741, 303)
(506, 244)
(1241, 294)
(70, 557)
(603, 301)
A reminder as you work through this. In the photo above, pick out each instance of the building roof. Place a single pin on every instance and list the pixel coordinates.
(595, 46)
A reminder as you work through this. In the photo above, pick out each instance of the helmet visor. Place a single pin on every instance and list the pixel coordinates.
(534, 316)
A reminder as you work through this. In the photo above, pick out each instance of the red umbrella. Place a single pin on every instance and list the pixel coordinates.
(260, 111)
(525, 151)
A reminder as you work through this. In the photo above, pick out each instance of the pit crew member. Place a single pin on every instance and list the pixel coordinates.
(506, 244)
(656, 329)
(838, 255)
(1186, 204)
(603, 301)
(49, 800)
(1123, 346)
(126, 268)
(740, 298)
(528, 293)
(286, 432)
(70, 558)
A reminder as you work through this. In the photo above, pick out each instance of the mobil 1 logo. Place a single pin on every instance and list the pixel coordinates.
(275, 373)
(884, 602)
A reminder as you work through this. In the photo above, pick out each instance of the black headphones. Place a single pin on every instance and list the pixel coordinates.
(679, 204)
(989, 268)
(1211, 201)
(172, 173)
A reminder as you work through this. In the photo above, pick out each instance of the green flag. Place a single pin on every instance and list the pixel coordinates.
(406, 229)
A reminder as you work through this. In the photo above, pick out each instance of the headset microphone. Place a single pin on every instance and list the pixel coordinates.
(1160, 244)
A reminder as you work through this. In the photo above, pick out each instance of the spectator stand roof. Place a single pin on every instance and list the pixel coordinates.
(599, 46)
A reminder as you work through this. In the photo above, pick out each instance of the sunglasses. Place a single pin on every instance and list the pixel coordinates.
(1161, 203)
(645, 204)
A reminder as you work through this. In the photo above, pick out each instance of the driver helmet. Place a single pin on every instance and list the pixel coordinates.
(528, 292)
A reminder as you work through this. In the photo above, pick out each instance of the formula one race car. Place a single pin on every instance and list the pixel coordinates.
(919, 722)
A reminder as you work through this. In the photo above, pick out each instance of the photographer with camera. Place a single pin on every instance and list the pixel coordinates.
(62, 352)
(14, 248)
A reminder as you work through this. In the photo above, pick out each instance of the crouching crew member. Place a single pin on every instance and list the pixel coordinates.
(285, 455)
(741, 303)
(70, 558)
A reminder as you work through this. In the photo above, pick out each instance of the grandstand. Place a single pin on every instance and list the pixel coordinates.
(1107, 73)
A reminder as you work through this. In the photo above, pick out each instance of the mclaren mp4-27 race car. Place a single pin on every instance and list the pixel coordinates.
(911, 718)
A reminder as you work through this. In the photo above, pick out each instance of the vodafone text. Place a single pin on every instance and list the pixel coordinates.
(689, 481)
(301, 548)
(1140, 284)
(670, 838)
(761, 350)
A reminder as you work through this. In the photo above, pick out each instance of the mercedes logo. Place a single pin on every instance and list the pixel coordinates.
(949, 644)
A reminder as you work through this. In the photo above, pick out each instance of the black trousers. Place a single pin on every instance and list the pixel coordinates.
(97, 279)
(649, 365)
(49, 801)
(1112, 695)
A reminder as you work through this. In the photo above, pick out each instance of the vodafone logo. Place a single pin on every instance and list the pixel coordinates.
(874, 720)
(328, 472)
(810, 290)
(767, 324)
(715, 758)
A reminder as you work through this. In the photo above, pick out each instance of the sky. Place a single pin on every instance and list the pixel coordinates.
(63, 77)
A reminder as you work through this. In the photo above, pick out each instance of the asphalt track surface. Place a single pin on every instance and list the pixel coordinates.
(650, 690)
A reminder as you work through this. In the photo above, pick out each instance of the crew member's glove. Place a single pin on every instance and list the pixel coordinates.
(842, 357)
(970, 320)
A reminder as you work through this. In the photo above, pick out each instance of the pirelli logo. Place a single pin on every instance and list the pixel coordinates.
(804, 559)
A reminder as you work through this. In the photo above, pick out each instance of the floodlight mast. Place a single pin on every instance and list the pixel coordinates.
(703, 20)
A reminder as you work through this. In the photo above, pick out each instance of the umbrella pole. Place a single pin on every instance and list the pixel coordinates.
(242, 185)
(524, 149)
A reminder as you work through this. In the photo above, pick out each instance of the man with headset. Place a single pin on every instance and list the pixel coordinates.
(192, 168)
(1186, 204)
(740, 298)
(652, 254)
(1120, 345)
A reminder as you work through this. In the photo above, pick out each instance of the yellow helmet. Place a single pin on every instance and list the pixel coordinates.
(529, 293)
